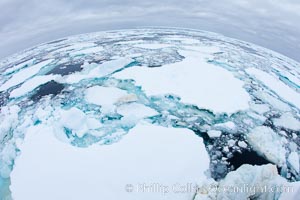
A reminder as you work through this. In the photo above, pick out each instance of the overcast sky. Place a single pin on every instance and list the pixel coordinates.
(274, 24)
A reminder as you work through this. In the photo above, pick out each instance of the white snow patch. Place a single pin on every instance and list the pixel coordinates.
(195, 81)
(48, 169)
(266, 142)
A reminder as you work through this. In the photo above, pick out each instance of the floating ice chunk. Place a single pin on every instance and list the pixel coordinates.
(287, 120)
(18, 66)
(43, 113)
(293, 159)
(260, 108)
(9, 119)
(135, 111)
(226, 149)
(130, 42)
(87, 51)
(98, 71)
(184, 40)
(24, 74)
(249, 181)
(106, 97)
(280, 88)
(112, 66)
(257, 116)
(207, 190)
(286, 73)
(214, 133)
(194, 80)
(77, 121)
(7, 157)
(148, 155)
(267, 143)
(231, 142)
(31, 84)
(261, 182)
(204, 49)
(242, 144)
(227, 125)
(152, 45)
(79, 45)
(276, 103)
(72, 118)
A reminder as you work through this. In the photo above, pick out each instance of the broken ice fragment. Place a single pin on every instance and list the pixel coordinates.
(267, 143)
(293, 159)
(287, 120)
(242, 144)
(106, 97)
(214, 133)
(78, 121)
(24, 74)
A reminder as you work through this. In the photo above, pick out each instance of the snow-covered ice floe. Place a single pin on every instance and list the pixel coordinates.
(84, 116)
(148, 155)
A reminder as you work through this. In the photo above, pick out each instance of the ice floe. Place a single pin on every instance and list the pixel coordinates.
(24, 74)
(278, 87)
(195, 81)
(148, 155)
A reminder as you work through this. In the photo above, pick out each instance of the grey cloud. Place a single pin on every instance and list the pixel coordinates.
(270, 23)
